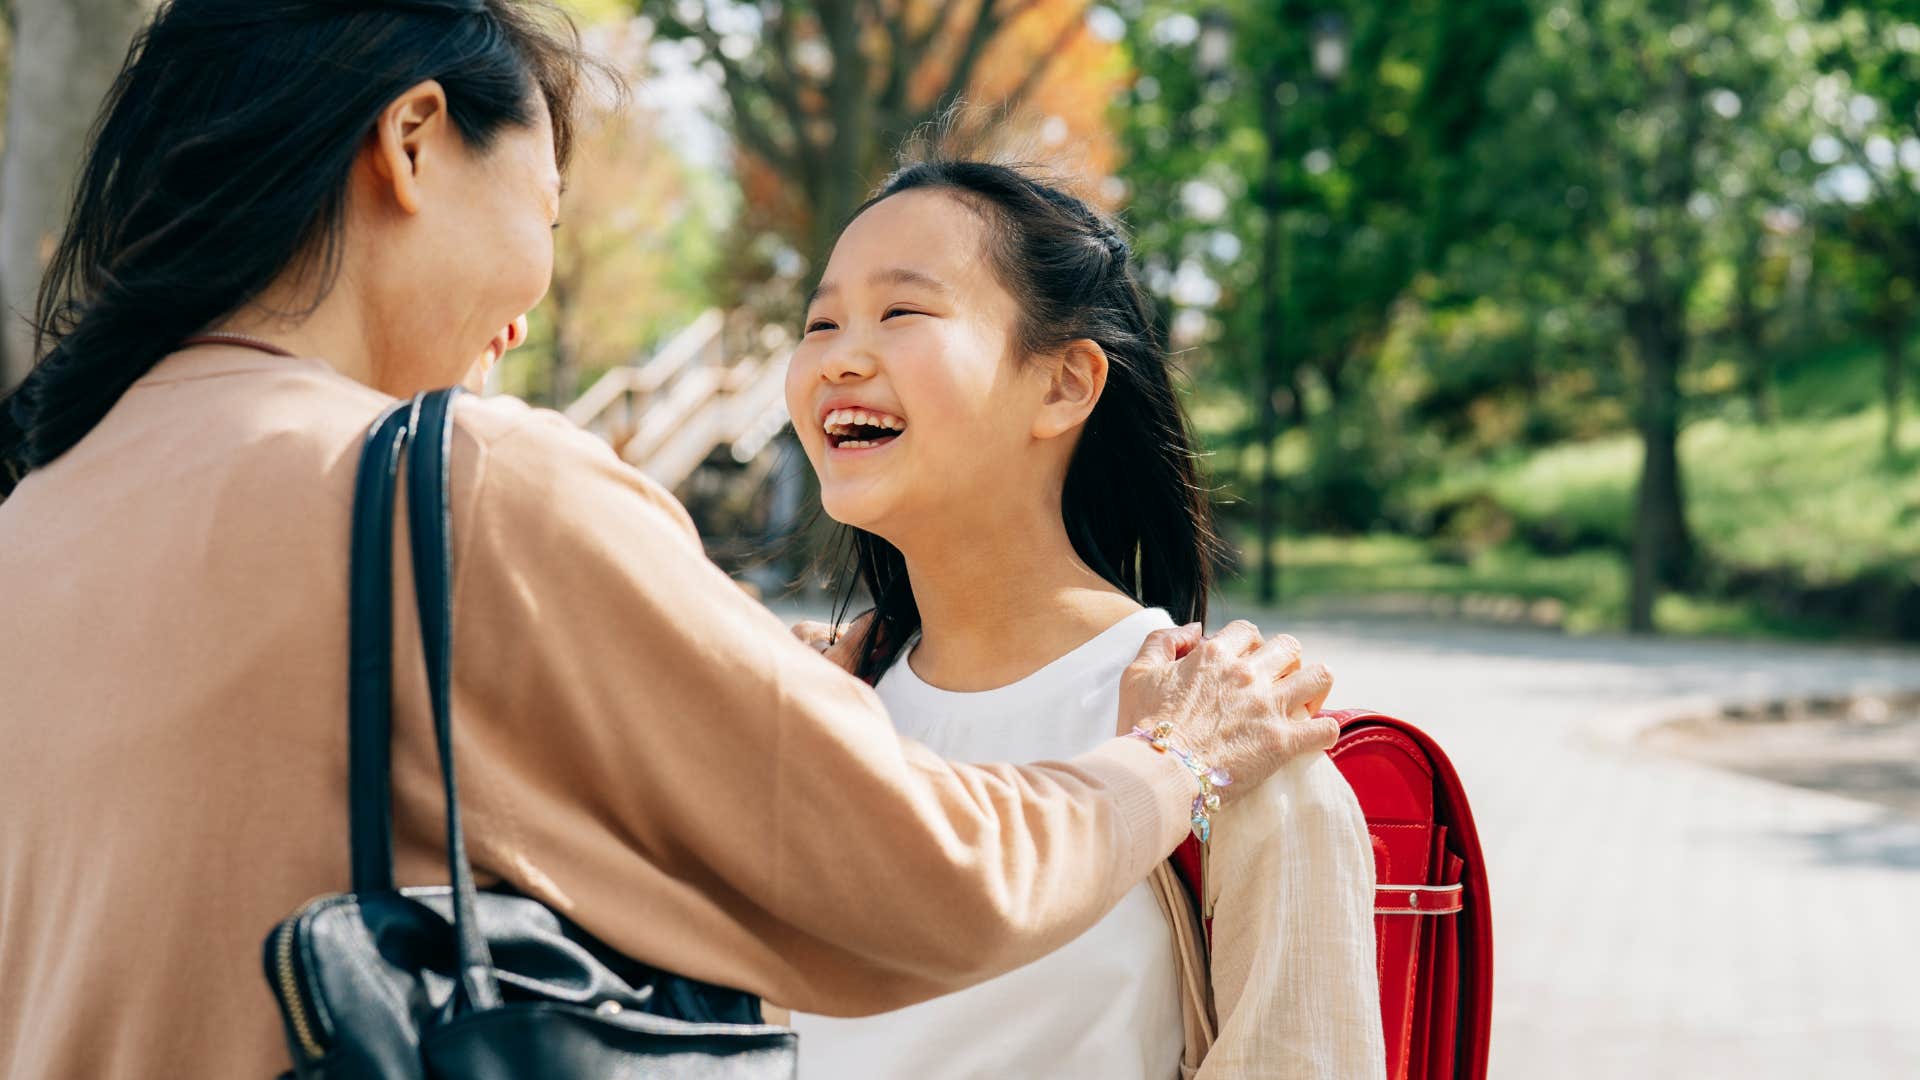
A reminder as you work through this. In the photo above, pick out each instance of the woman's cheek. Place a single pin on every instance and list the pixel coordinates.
(535, 272)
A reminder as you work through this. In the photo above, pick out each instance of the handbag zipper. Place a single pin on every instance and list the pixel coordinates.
(290, 995)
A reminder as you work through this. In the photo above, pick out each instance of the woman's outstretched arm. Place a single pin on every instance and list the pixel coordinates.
(652, 753)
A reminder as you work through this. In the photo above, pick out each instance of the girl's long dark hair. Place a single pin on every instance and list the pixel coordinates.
(220, 160)
(1134, 504)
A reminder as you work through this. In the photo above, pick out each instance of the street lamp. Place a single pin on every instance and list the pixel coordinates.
(1327, 48)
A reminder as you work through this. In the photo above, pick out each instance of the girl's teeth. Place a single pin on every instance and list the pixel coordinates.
(846, 418)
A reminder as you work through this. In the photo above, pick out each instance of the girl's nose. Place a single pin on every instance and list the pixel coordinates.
(517, 332)
(851, 361)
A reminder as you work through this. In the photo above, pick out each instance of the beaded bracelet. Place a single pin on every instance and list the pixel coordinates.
(1211, 778)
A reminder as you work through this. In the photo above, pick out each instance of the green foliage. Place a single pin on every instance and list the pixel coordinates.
(1531, 281)
(1523, 249)
(638, 246)
(1282, 209)
(1810, 496)
(596, 11)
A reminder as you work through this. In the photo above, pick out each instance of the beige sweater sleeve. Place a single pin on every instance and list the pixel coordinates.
(651, 752)
(1294, 984)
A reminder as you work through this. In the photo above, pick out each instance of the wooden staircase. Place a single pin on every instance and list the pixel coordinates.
(718, 383)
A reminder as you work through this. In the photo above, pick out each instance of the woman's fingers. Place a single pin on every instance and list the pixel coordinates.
(815, 635)
(1233, 641)
(1166, 646)
(1241, 702)
(1278, 657)
(844, 641)
(1305, 734)
(1305, 690)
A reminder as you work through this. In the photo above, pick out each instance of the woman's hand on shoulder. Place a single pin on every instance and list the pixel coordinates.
(1237, 701)
(839, 643)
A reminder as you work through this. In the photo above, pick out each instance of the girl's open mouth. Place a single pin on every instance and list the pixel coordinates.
(861, 429)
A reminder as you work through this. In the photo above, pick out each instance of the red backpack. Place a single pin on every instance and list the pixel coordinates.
(1431, 921)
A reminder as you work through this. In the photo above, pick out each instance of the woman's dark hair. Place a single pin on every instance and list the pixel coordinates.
(1134, 504)
(220, 160)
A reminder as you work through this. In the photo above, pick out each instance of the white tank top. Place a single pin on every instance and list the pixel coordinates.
(1104, 1006)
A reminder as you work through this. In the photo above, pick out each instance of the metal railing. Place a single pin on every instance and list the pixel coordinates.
(713, 384)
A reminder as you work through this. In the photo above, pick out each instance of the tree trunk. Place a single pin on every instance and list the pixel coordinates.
(65, 55)
(832, 200)
(561, 365)
(563, 370)
(850, 106)
(1656, 321)
(1893, 351)
(1749, 329)
(1273, 353)
(1662, 543)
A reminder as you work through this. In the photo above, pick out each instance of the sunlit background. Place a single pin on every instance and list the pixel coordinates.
(1510, 326)
(1589, 314)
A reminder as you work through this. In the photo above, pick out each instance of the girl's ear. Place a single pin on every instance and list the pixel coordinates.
(1076, 378)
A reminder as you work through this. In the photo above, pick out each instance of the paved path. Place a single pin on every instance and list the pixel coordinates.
(1654, 918)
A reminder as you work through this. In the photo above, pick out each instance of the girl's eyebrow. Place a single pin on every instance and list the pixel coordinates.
(903, 276)
(898, 275)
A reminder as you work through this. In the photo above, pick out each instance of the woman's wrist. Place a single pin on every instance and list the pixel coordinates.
(1151, 793)
(1210, 779)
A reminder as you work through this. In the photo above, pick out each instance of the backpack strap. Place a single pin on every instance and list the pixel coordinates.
(1199, 1025)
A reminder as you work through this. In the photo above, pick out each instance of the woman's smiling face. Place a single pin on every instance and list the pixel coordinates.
(907, 389)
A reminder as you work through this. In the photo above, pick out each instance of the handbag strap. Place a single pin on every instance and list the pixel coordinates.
(429, 526)
(425, 425)
(370, 652)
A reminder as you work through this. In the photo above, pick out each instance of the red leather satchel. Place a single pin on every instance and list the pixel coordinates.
(1431, 921)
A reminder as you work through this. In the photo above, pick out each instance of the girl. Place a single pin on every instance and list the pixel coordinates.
(982, 393)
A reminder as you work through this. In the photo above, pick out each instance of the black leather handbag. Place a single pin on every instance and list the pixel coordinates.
(450, 981)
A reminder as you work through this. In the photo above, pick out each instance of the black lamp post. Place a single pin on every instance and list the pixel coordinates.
(1328, 49)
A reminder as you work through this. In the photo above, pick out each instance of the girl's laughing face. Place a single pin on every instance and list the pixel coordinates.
(907, 389)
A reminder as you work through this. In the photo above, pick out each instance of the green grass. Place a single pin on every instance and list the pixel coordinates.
(1812, 495)
(1582, 591)
(1828, 381)
(1806, 501)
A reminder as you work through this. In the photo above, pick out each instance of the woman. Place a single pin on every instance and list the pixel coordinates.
(982, 394)
(292, 212)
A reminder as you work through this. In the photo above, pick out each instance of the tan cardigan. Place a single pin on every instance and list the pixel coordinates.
(640, 745)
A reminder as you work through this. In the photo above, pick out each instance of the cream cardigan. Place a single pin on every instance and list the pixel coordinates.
(1293, 964)
(1291, 987)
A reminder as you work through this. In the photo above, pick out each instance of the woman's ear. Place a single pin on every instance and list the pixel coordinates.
(1076, 378)
(404, 139)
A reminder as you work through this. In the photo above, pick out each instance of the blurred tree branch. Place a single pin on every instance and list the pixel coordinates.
(838, 83)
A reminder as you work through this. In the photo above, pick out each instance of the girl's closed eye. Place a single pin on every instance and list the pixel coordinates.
(820, 324)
